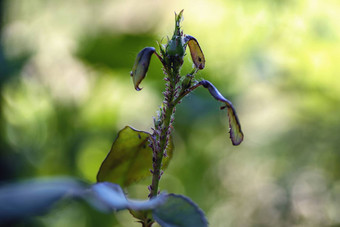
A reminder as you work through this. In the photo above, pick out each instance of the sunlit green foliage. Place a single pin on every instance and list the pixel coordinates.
(65, 93)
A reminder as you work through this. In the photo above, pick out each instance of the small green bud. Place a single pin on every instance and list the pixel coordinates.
(178, 19)
(175, 47)
(141, 66)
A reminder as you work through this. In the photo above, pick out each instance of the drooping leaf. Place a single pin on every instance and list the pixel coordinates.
(236, 134)
(179, 211)
(113, 195)
(130, 158)
(34, 197)
(141, 66)
(195, 51)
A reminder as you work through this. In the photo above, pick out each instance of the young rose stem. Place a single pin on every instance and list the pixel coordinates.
(163, 125)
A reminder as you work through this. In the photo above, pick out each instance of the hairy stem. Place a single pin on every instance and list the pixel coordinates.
(163, 128)
(185, 92)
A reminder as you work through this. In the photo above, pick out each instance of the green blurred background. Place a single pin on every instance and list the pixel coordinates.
(66, 92)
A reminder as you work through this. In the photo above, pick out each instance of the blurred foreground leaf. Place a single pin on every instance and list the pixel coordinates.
(130, 158)
(179, 211)
(113, 196)
(34, 197)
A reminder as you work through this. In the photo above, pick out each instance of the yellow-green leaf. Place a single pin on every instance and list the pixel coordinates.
(130, 158)
(236, 134)
(195, 51)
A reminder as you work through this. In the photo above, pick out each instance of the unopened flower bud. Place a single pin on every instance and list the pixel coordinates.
(175, 48)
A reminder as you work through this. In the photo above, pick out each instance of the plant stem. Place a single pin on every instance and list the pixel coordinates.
(163, 129)
(185, 92)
